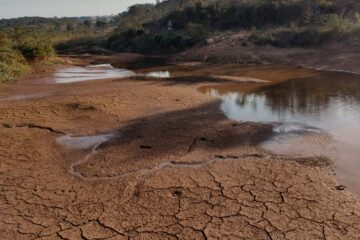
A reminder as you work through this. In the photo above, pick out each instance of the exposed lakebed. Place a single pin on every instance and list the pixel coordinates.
(158, 151)
(317, 114)
(313, 112)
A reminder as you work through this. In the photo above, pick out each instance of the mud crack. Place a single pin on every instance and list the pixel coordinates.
(35, 126)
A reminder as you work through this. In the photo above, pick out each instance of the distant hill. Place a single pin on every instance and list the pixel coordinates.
(51, 24)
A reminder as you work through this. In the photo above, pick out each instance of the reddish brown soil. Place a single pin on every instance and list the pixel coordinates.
(177, 169)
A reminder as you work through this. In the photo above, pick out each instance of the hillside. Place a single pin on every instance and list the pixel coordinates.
(174, 25)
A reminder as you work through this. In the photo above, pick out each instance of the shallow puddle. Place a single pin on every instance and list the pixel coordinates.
(92, 72)
(86, 142)
(304, 109)
(100, 71)
(160, 74)
(24, 97)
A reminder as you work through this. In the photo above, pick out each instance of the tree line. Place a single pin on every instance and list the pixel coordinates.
(175, 25)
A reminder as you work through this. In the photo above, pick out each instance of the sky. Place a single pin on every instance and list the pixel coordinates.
(64, 8)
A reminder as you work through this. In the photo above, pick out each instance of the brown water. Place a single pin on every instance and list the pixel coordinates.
(305, 109)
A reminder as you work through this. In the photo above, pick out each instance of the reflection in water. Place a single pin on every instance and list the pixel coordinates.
(100, 71)
(85, 142)
(327, 102)
(160, 74)
(253, 108)
(92, 72)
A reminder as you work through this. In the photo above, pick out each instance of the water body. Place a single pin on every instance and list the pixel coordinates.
(85, 142)
(92, 72)
(304, 110)
(98, 72)
(159, 74)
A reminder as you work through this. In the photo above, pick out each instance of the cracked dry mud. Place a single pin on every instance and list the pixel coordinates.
(176, 169)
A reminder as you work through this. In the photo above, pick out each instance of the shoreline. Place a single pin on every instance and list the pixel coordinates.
(231, 183)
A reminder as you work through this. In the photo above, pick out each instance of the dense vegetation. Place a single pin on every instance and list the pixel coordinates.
(174, 25)
(12, 62)
(21, 47)
(58, 25)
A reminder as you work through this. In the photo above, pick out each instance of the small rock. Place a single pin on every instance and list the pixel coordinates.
(79, 106)
(210, 40)
(5, 125)
(177, 193)
(340, 187)
(145, 147)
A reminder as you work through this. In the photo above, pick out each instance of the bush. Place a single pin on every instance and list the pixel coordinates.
(337, 23)
(241, 14)
(12, 63)
(81, 44)
(161, 42)
(36, 47)
(11, 72)
(311, 37)
(37, 51)
(20, 47)
(196, 31)
(303, 37)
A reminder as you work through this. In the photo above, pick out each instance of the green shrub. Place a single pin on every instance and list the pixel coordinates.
(357, 17)
(37, 47)
(311, 37)
(337, 23)
(19, 48)
(12, 63)
(81, 44)
(11, 72)
(303, 37)
(238, 14)
(196, 31)
(160, 42)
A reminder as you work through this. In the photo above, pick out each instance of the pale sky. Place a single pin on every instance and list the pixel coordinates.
(64, 8)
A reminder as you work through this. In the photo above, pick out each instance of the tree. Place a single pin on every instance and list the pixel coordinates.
(69, 27)
(101, 23)
(87, 23)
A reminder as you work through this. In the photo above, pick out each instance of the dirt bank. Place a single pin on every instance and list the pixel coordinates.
(174, 168)
(236, 48)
